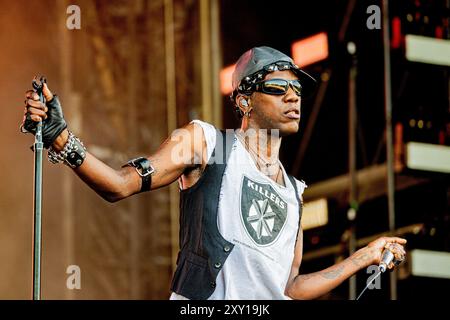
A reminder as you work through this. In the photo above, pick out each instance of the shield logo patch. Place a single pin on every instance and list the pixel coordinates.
(263, 211)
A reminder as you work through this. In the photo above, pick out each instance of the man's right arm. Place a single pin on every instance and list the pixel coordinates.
(185, 148)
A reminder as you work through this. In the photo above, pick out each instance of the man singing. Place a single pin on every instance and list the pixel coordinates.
(240, 212)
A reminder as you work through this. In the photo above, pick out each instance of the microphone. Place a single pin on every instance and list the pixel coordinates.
(386, 259)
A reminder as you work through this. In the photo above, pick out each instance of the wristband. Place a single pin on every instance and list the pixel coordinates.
(73, 153)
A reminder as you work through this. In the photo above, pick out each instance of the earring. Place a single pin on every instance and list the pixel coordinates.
(244, 103)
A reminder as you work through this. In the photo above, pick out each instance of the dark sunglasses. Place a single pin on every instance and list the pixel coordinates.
(278, 86)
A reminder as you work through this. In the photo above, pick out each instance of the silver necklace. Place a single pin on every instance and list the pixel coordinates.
(266, 166)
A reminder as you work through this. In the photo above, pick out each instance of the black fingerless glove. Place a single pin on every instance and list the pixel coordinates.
(52, 126)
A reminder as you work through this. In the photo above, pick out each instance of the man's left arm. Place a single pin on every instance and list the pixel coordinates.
(315, 285)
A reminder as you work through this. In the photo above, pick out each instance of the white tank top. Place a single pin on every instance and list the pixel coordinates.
(261, 218)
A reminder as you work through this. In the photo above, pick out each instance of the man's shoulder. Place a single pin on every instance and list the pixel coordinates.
(203, 124)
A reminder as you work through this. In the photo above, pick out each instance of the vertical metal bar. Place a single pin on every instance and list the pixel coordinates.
(389, 140)
(352, 168)
(37, 223)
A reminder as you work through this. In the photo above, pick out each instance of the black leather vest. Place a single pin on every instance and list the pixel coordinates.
(203, 249)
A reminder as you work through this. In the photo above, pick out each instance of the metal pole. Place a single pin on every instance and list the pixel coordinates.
(389, 143)
(351, 216)
(37, 218)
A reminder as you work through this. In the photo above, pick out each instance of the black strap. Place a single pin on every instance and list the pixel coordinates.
(294, 183)
(300, 207)
(144, 169)
(144, 163)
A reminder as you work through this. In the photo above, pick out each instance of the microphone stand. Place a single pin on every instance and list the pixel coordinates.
(37, 219)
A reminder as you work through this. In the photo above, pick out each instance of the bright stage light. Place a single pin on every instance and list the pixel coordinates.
(310, 50)
(427, 50)
(315, 214)
(225, 79)
(304, 52)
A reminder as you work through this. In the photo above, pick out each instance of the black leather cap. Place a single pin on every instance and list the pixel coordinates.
(255, 63)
